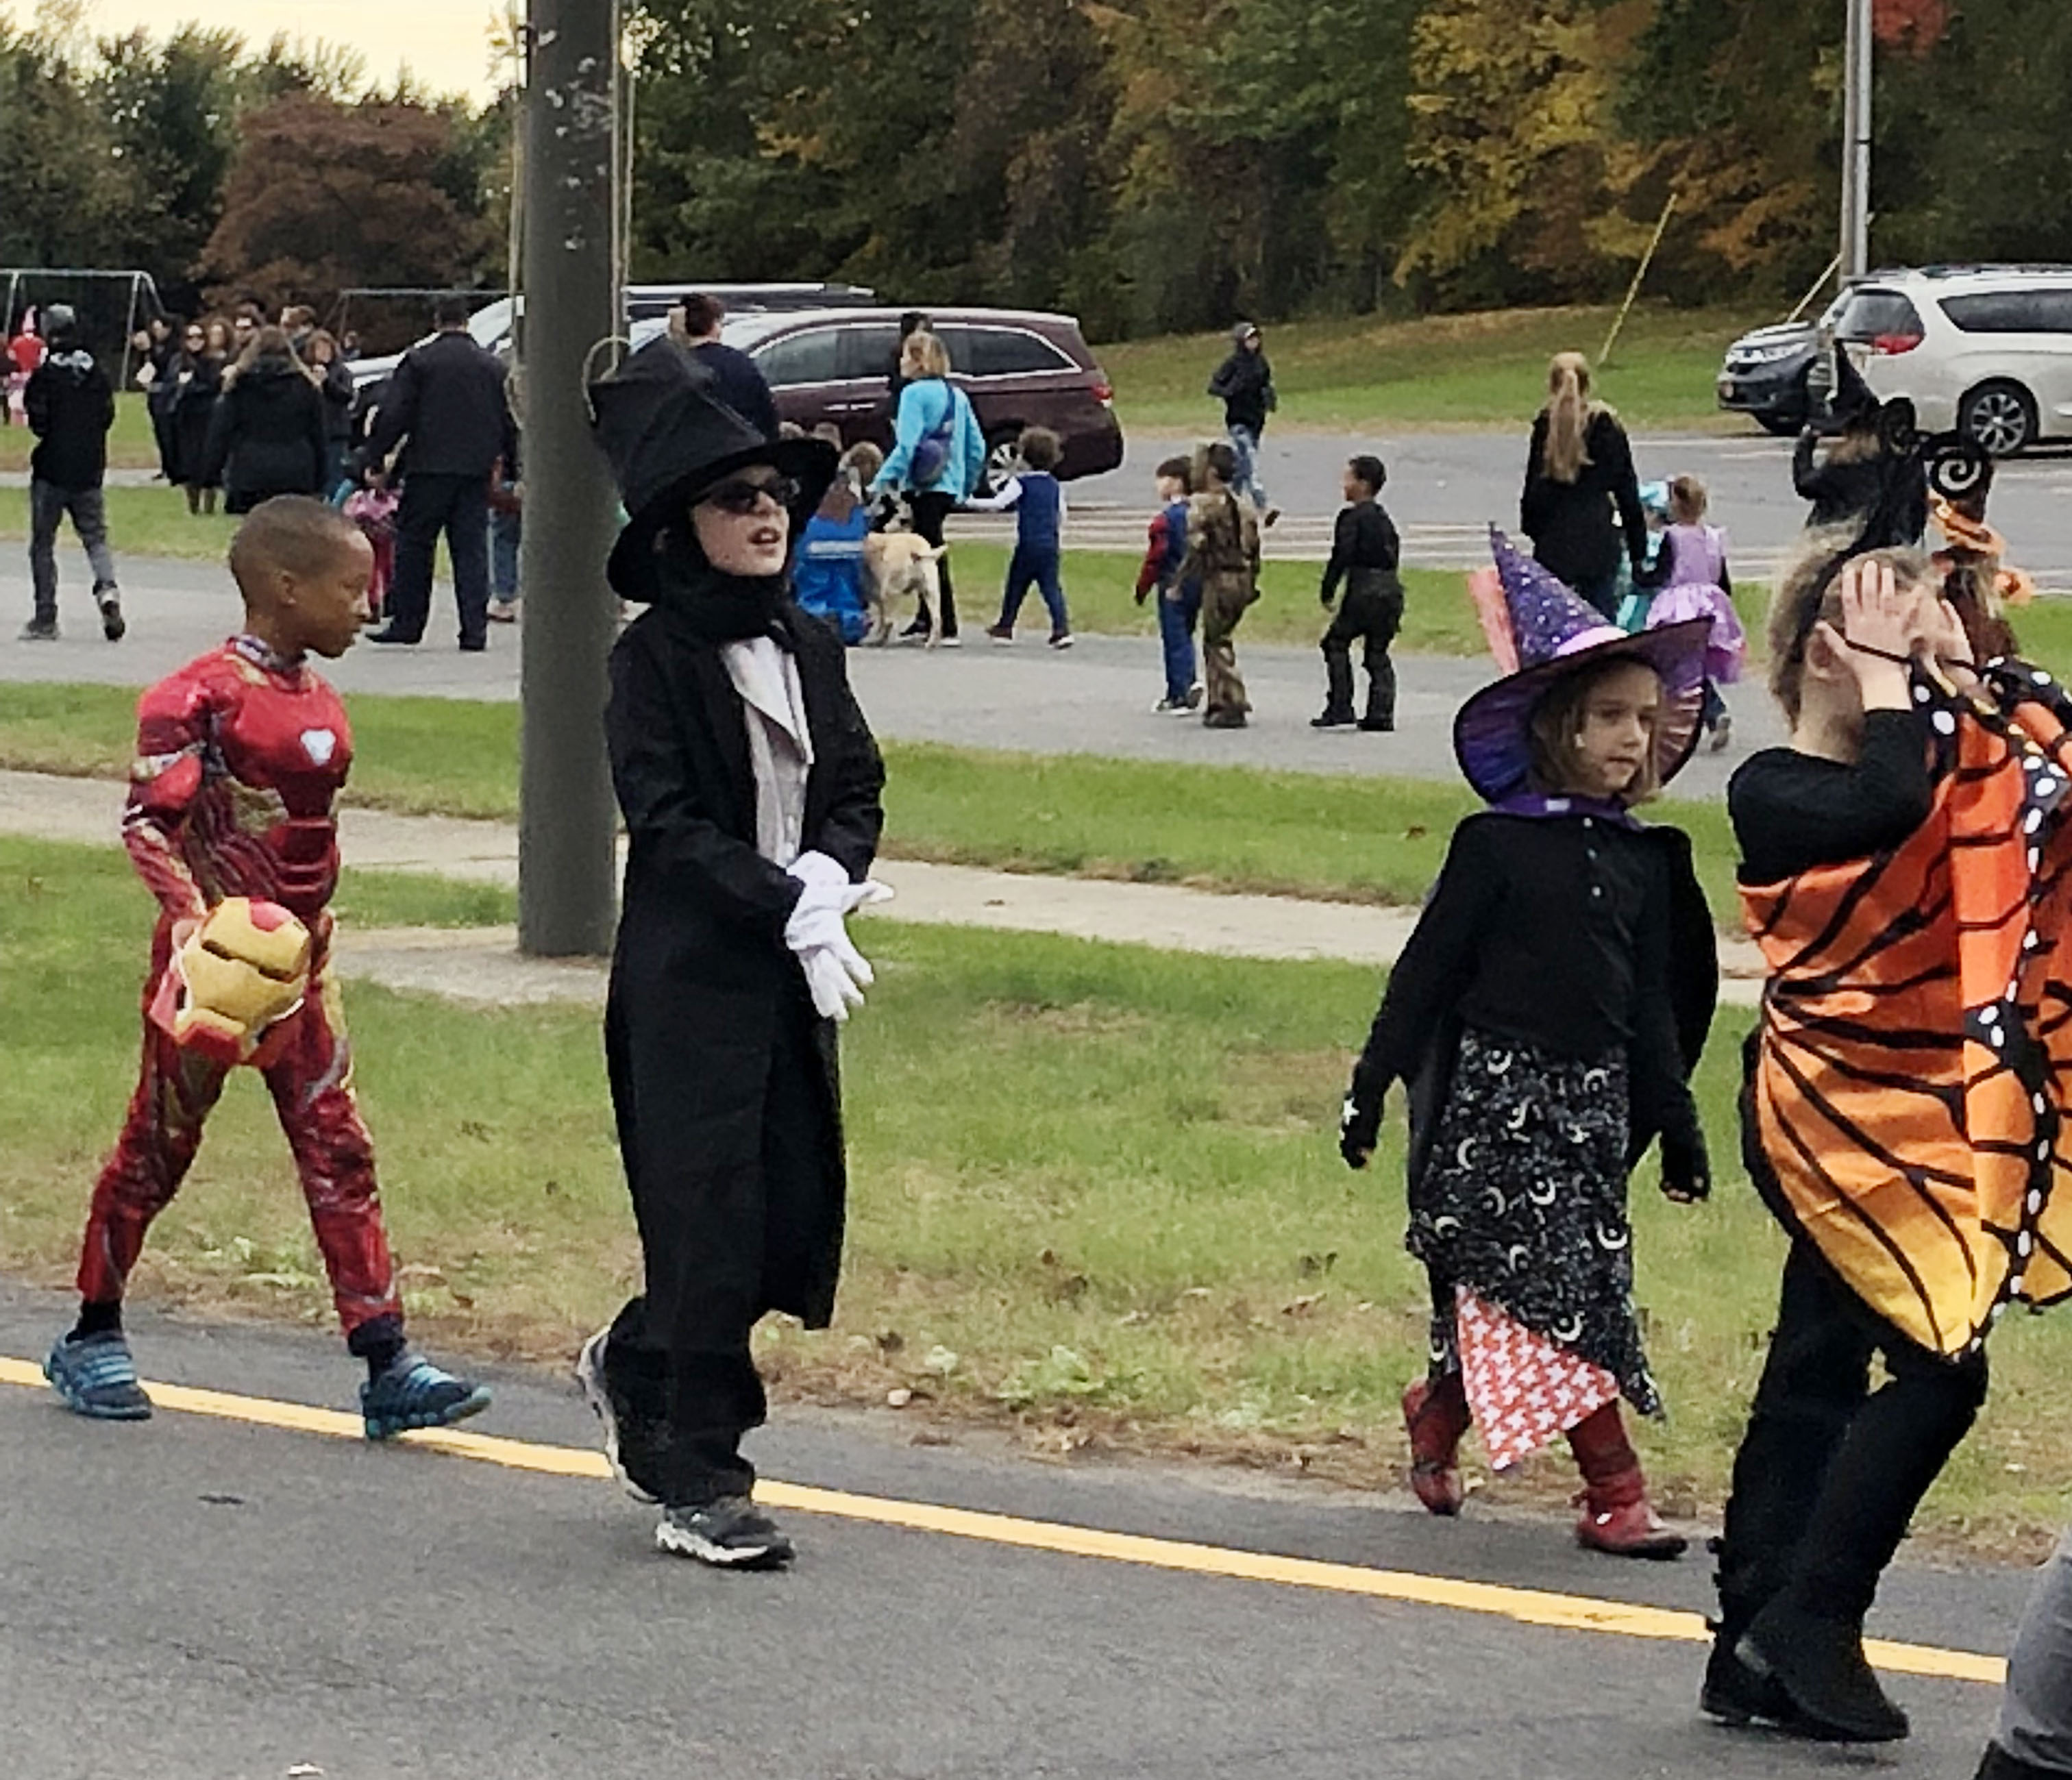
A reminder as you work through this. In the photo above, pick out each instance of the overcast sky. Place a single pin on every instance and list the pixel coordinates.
(444, 43)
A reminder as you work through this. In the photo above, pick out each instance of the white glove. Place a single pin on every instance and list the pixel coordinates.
(834, 991)
(837, 973)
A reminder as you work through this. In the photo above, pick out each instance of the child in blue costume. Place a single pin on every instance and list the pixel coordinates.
(827, 576)
(1037, 500)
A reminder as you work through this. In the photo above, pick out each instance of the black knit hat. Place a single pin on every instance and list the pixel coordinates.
(668, 437)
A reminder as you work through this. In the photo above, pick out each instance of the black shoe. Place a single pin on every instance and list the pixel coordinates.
(1378, 726)
(1333, 720)
(1820, 1665)
(474, 645)
(635, 1445)
(730, 1534)
(110, 603)
(390, 635)
(40, 629)
(1735, 1694)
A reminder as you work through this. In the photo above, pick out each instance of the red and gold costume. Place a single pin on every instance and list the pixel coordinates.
(1914, 1062)
(240, 756)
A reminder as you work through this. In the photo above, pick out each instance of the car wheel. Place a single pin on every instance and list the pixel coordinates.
(1999, 419)
(1783, 425)
(1002, 456)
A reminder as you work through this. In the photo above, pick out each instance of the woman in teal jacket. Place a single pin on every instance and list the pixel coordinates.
(938, 459)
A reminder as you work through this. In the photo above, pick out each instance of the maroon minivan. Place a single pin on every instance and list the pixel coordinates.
(1021, 367)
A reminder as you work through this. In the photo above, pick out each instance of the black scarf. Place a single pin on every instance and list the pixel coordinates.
(714, 607)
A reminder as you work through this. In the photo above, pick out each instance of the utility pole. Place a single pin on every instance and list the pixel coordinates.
(567, 820)
(1856, 143)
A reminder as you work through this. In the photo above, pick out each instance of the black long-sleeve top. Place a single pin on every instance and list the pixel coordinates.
(1365, 538)
(1554, 932)
(1792, 812)
(1578, 528)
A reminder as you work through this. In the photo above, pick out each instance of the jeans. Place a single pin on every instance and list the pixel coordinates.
(459, 507)
(1370, 612)
(1244, 440)
(504, 532)
(2036, 1713)
(1178, 609)
(1829, 1472)
(87, 509)
(1037, 565)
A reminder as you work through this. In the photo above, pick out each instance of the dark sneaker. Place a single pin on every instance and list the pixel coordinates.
(1820, 1666)
(1195, 695)
(414, 1393)
(40, 630)
(635, 1444)
(1722, 735)
(110, 603)
(1168, 707)
(1378, 726)
(1333, 720)
(730, 1534)
(94, 1376)
(1272, 518)
(1061, 639)
(1001, 633)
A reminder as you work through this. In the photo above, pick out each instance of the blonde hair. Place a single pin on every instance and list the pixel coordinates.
(1570, 412)
(924, 356)
(1688, 501)
(1556, 726)
(1809, 594)
(862, 460)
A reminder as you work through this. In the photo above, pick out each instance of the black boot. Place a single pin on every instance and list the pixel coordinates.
(1733, 1693)
(1338, 691)
(1820, 1665)
(1998, 1764)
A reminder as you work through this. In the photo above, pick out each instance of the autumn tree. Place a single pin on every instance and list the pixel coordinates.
(322, 196)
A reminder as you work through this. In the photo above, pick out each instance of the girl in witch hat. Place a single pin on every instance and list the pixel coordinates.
(1546, 1015)
(750, 785)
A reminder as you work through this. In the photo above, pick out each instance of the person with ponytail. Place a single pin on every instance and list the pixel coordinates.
(1582, 503)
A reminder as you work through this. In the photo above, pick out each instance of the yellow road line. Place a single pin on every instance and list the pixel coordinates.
(1525, 1606)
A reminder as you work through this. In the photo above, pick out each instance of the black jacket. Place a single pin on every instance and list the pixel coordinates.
(1243, 383)
(737, 383)
(197, 384)
(701, 977)
(1576, 527)
(446, 400)
(1890, 490)
(267, 436)
(70, 406)
(337, 394)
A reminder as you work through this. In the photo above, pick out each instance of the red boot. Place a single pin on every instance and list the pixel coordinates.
(1436, 1415)
(1616, 1516)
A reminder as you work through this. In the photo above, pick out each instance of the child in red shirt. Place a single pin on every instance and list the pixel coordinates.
(240, 756)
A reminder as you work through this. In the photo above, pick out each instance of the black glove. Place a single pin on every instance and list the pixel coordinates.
(1686, 1171)
(1359, 1130)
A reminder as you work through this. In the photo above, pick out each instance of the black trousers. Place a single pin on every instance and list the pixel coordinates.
(680, 1351)
(1829, 1472)
(1371, 613)
(930, 512)
(459, 507)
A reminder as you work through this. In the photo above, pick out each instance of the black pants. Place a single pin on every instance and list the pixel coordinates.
(1371, 614)
(1829, 1472)
(459, 507)
(931, 511)
(680, 1351)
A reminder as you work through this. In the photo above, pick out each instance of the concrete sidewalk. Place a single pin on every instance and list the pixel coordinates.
(483, 965)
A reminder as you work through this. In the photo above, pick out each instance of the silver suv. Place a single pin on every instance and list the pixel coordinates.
(1983, 351)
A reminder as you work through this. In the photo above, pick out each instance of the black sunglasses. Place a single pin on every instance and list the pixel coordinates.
(740, 496)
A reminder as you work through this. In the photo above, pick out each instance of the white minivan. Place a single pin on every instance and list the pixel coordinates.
(1984, 351)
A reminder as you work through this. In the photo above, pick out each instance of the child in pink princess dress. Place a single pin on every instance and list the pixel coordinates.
(373, 510)
(1698, 586)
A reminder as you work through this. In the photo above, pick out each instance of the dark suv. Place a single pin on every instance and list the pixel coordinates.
(1021, 367)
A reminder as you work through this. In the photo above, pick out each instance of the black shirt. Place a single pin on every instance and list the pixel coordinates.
(1553, 931)
(1365, 539)
(1792, 812)
(1578, 528)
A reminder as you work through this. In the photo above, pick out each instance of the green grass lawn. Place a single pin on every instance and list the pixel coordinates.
(1363, 374)
(1096, 1193)
(130, 445)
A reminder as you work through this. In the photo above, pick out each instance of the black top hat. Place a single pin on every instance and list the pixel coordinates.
(1854, 403)
(668, 436)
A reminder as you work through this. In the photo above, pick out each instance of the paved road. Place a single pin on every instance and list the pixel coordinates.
(195, 1599)
(1094, 699)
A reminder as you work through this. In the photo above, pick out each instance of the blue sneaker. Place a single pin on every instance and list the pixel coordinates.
(95, 1375)
(414, 1393)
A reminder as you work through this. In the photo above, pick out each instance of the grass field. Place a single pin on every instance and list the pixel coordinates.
(1365, 375)
(1096, 1196)
(130, 446)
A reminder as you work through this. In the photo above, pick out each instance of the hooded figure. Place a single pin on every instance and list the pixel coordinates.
(1870, 476)
(750, 785)
(70, 405)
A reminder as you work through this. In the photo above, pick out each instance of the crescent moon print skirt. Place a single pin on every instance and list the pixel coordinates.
(1522, 1205)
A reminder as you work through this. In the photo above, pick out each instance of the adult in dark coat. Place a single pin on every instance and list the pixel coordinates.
(195, 376)
(446, 400)
(1581, 501)
(266, 437)
(750, 787)
(735, 379)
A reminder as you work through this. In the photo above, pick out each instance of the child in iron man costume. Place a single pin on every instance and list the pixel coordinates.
(240, 756)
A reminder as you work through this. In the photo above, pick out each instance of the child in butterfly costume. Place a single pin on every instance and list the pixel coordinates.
(1547, 1014)
(240, 755)
(1904, 870)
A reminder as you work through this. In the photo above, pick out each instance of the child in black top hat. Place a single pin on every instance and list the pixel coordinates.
(750, 784)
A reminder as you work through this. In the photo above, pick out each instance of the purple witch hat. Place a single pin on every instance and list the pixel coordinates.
(1553, 632)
